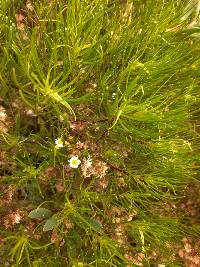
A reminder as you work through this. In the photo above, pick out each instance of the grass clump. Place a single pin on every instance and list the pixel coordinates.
(99, 133)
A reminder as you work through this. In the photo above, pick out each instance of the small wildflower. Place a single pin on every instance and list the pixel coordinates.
(88, 162)
(113, 96)
(74, 162)
(54, 237)
(12, 218)
(16, 218)
(102, 184)
(80, 145)
(100, 169)
(58, 142)
(68, 224)
(67, 143)
(86, 167)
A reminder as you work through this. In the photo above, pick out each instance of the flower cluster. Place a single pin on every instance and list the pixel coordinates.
(74, 161)
(86, 167)
(12, 218)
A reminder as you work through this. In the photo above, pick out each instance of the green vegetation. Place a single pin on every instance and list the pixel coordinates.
(116, 85)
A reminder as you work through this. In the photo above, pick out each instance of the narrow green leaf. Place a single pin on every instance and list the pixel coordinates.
(95, 224)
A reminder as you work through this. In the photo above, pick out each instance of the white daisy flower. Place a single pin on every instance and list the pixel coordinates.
(74, 162)
(59, 143)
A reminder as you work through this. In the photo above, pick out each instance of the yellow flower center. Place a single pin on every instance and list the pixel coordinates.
(74, 161)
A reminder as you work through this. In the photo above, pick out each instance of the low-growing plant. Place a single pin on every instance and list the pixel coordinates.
(99, 133)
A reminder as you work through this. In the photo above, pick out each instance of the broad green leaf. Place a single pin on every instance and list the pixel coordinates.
(50, 224)
(40, 213)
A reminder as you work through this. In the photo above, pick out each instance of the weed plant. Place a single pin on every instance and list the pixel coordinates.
(116, 85)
